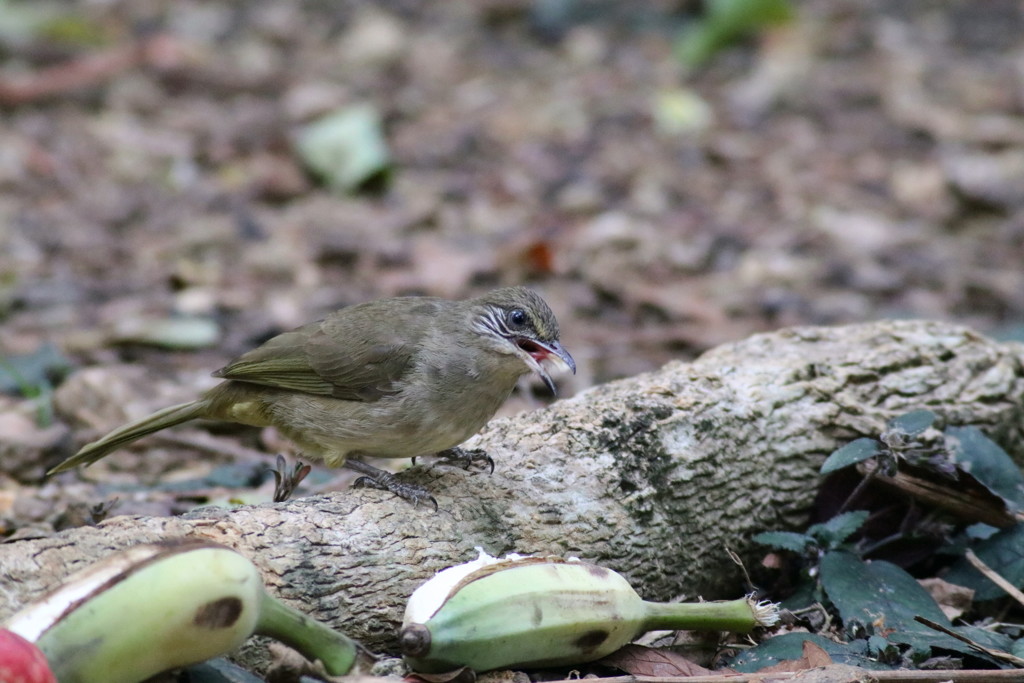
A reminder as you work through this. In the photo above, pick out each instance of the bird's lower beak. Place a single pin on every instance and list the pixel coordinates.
(545, 351)
(558, 351)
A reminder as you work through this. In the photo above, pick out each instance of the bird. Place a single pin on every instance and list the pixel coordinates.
(397, 377)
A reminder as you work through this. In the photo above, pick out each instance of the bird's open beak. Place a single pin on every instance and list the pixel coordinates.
(539, 352)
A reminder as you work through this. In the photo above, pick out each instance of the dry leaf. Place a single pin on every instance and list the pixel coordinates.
(965, 496)
(646, 661)
(954, 600)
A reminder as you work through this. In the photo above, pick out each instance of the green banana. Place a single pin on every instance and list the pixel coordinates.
(531, 612)
(158, 607)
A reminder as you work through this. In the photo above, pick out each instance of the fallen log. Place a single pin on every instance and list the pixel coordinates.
(655, 476)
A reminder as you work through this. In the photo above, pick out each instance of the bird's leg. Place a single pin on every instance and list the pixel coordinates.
(466, 458)
(379, 479)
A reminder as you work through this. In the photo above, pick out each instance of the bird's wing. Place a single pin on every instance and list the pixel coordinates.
(357, 353)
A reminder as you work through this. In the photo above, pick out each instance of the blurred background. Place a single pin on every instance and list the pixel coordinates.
(180, 180)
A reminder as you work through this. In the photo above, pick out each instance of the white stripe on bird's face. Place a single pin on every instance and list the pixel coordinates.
(493, 321)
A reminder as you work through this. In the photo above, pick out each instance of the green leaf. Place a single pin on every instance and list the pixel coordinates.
(913, 423)
(789, 646)
(836, 530)
(987, 462)
(807, 593)
(1004, 553)
(922, 641)
(33, 373)
(885, 599)
(218, 670)
(784, 540)
(851, 454)
(986, 638)
(346, 148)
(880, 647)
(727, 21)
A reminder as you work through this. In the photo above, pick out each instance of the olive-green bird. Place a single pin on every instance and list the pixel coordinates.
(393, 378)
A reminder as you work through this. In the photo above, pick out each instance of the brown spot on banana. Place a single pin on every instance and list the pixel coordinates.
(221, 613)
(591, 639)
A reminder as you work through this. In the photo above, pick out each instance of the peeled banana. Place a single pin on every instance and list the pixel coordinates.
(163, 606)
(529, 612)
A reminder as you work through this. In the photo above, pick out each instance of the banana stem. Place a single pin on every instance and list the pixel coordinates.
(740, 615)
(310, 637)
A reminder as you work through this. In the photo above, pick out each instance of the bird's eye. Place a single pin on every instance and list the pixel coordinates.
(517, 317)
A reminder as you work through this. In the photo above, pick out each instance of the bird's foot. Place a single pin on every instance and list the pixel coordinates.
(379, 479)
(466, 458)
(285, 481)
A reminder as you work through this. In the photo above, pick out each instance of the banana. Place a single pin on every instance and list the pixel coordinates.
(528, 612)
(157, 607)
(21, 661)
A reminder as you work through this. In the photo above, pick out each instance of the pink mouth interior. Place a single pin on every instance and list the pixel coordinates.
(538, 352)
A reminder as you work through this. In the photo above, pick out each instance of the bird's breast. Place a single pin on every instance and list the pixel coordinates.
(460, 394)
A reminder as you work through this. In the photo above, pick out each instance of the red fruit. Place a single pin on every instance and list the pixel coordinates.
(21, 661)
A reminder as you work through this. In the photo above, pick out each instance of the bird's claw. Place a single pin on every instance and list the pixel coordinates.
(466, 458)
(286, 481)
(385, 481)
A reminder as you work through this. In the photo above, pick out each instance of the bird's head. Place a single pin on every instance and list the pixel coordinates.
(517, 322)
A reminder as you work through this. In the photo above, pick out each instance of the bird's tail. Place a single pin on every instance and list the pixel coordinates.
(168, 417)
